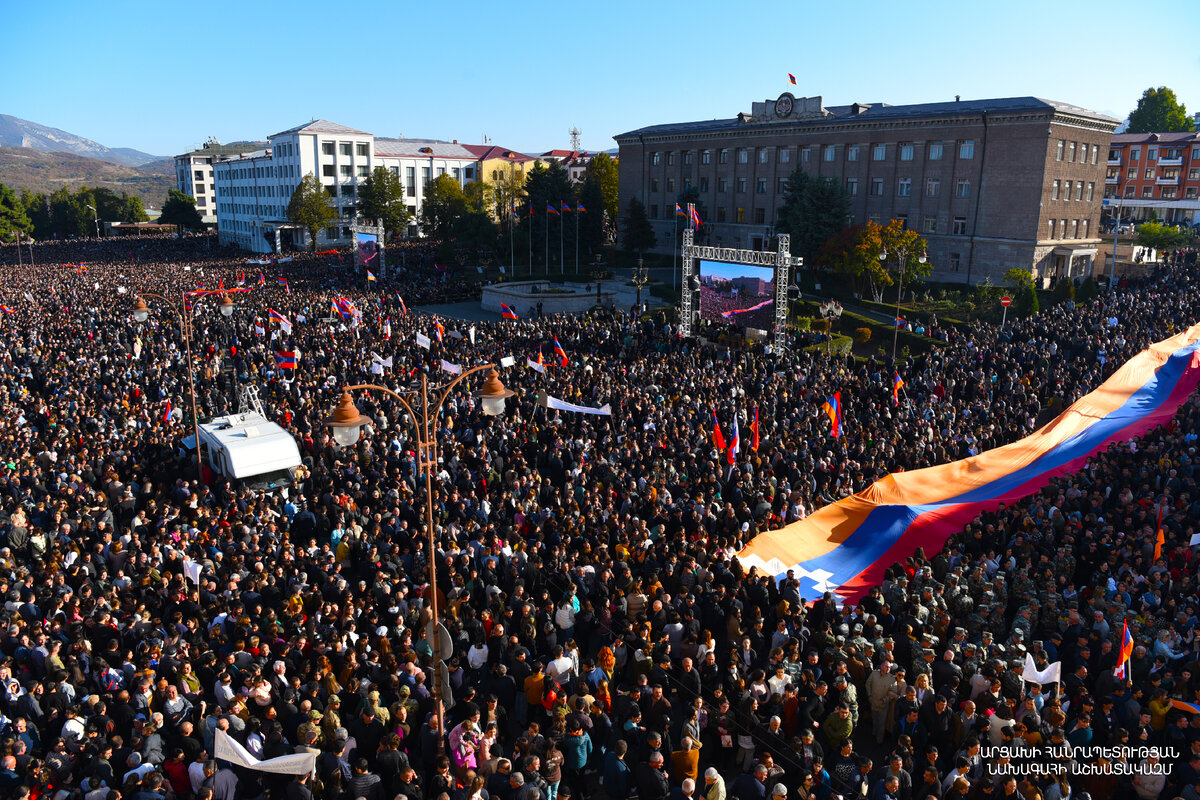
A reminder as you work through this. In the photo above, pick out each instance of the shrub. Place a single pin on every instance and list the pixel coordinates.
(862, 335)
(1087, 290)
(803, 323)
(821, 325)
(1064, 290)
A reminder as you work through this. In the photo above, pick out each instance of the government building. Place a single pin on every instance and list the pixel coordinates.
(990, 184)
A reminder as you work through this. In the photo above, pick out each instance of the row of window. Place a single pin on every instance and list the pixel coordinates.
(1068, 190)
(1153, 153)
(344, 171)
(1069, 150)
(933, 186)
(345, 149)
(1151, 173)
(1149, 192)
(1069, 229)
(934, 151)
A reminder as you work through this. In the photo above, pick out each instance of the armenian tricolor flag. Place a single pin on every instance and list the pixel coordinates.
(562, 354)
(897, 385)
(580, 209)
(262, 279)
(566, 206)
(280, 318)
(550, 209)
(241, 277)
(833, 408)
(695, 219)
(754, 430)
(400, 300)
(439, 329)
(791, 79)
(848, 545)
(370, 276)
(735, 443)
(679, 212)
(1124, 653)
(6, 309)
(1181, 705)
(507, 312)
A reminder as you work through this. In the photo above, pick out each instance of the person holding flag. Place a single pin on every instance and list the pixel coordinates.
(735, 445)
(1124, 654)
(284, 323)
(897, 385)
(387, 328)
(166, 417)
(370, 276)
(439, 329)
(562, 354)
(507, 312)
(262, 279)
(754, 431)
(717, 437)
(1159, 539)
(403, 308)
(833, 409)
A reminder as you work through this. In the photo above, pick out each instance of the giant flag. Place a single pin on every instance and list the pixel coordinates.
(847, 545)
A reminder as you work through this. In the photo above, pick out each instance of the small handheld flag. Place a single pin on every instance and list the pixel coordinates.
(403, 308)
(439, 329)
(262, 279)
(285, 359)
(562, 354)
(833, 408)
(6, 309)
(791, 79)
(241, 277)
(1159, 539)
(282, 281)
(1124, 654)
(900, 323)
(370, 276)
(754, 430)
(717, 437)
(387, 328)
(506, 311)
(166, 417)
(897, 385)
(735, 445)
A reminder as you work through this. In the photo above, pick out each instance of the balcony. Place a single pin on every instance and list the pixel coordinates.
(1171, 162)
(1114, 162)
(1112, 180)
(1168, 181)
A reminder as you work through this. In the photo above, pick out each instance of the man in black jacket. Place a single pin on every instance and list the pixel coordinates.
(652, 779)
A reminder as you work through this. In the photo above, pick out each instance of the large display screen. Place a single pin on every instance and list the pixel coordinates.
(368, 250)
(737, 294)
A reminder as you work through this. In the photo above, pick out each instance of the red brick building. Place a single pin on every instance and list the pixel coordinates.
(1154, 176)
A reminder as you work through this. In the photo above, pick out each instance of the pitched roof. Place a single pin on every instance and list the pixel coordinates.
(487, 152)
(412, 148)
(1160, 138)
(321, 126)
(881, 111)
(214, 150)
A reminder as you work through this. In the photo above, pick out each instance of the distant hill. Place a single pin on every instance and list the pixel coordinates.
(16, 132)
(37, 171)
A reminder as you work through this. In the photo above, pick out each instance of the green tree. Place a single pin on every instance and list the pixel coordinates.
(1088, 290)
(476, 229)
(1025, 303)
(180, 209)
(602, 170)
(638, 235)
(813, 210)
(1064, 290)
(444, 205)
(381, 198)
(591, 224)
(550, 186)
(1159, 112)
(1161, 238)
(480, 195)
(855, 251)
(13, 219)
(310, 207)
(37, 208)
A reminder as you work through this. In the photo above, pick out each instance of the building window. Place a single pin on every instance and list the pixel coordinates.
(1071, 153)
(360, 150)
(935, 151)
(805, 154)
(906, 152)
(689, 157)
(760, 216)
(1062, 145)
(852, 187)
(1053, 228)
(955, 262)
(1084, 229)
(425, 175)
(1147, 191)
(1054, 189)
(1168, 193)
(654, 211)
(1131, 174)
(327, 171)
(1190, 194)
(960, 226)
(331, 233)
(741, 216)
(362, 171)
(1135, 153)
(706, 156)
(326, 148)
(1151, 153)
(654, 184)
(1074, 229)
(785, 155)
(722, 185)
(929, 225)
(704, 184)
(670, 184)
(879, 152)
(830, 152)
(1067, 190)
(761, 187)
(723, 156)
(1196, 153)
(344, 170)
(904, 187)
(1079, 192)
(764, 155)
(671, 158)
(721, 214)
(1091, 192)
(743, 155)
(966, 149)
(348, 190)
(780, 185)
(852, 153)
(344, 148)
(1129, 191)
(741, 185)
(903, 220)
(962, 188)
(933, 187)
(1062, 226)
(655, 159)
(1149, 173)
(1095, 154)
(876, 187)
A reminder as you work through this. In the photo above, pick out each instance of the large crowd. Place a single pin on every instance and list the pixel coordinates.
(606, 641)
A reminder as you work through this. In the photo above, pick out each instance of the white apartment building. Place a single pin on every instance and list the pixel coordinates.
(194, 175)
(254, 190)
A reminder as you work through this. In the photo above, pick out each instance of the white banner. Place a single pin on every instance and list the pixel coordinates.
(282, 260)
(529, 362)
(192, 570)
(507, 361)
(423, 340)
(453, 369)
(227, 749)
(380, 360)
(471, 333)
(1051, 674)
(546, 401)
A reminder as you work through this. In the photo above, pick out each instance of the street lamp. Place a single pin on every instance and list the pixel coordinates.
(346, 424)
(141, 312)
(883, 256)
(96, 217)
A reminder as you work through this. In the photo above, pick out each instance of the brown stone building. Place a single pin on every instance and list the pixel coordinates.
(990, 184)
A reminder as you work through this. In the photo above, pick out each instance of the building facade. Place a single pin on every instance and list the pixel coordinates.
(1154, 176)
(254, 189)
(194, 174)
(990, 184)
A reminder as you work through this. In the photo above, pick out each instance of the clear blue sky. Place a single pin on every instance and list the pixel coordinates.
(162, 76)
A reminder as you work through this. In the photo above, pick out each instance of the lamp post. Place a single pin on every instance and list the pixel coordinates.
(346, 423)
(141, 312)
(883, 256)
(96, 217)
(639, 279)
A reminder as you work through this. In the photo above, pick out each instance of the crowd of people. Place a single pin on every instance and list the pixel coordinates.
(606, 642)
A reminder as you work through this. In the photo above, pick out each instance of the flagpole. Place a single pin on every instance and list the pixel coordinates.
(577, 238)
(562, 267)
(530, 241)
(547, 242)
(512, 255)
(674, 250)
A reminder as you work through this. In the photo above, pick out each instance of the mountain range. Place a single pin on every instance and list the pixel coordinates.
(17, 132)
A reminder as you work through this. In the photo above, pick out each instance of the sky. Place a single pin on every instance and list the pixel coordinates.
(161, 77)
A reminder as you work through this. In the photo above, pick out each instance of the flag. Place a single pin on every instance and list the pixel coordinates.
(6, 309)
(541, 361)
(282, 281)
(1124, 653)
(550, 209)
(566, 206)
(718, 439)
(679, 211)
(262, 279)
(897, 385)
(166, 417)
(1190, 708)
(387, 328)
(241, 277)
(403, 308)
(735, 445)
(791, 79)
(754, 430)
(370, 276)
(833, 408)
(507, 312)
(536, 365)
(439, 329)
(900, 323)
(285, 359)
(283, 321)
(1159, 539)
(334, 311)
(1051, 674)
(562, 354)
(380, 360)
(695, 219)
(221, 285)
(580, 209)
(453, 369)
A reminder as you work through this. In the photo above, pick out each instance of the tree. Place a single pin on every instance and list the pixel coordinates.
(13, 219)
(444, 205)
(480, 195)
(180, 209)
(310, 207)
(1159, 112)
(855, 251)
(638, 235)
(1026, 301)
(1161, 238)
(602, 170)
(813, 210)
(381, 198)
(549, 186)
(591, 224)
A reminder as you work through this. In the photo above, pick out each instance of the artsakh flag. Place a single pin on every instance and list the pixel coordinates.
(285, 359)
(562, 354)
(735, 444)
(166, 417)
(833, 407)
(718, 438)
(387, 328)
(754, 430)
(897, 385)
(507, 312)
(1124, 654)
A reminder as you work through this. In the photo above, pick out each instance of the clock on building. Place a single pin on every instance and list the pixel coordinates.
(783, 106)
